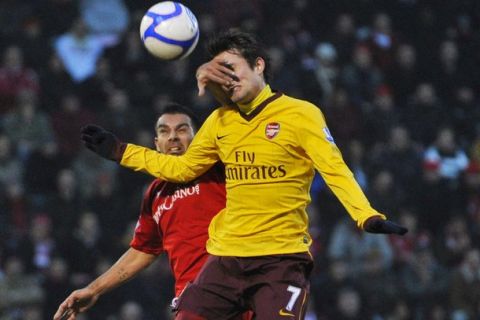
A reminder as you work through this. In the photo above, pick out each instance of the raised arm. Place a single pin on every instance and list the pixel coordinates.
(200, 156)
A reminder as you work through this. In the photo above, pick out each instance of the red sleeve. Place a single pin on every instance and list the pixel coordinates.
(147, 237)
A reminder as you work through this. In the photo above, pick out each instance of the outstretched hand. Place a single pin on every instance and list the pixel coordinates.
(102, 142)
(216, 76)
(378, 225)
(79, 301)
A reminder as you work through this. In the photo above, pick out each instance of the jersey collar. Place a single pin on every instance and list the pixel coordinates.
(266, 96)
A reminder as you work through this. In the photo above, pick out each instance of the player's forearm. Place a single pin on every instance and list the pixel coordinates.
(156, 164)
(349, 193)
(128, 266)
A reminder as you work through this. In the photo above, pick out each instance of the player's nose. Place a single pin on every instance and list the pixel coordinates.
(173, 135)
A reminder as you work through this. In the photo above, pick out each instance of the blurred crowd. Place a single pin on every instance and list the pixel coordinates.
(398, 82)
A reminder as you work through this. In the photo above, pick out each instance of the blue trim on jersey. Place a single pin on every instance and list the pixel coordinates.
(159, 18)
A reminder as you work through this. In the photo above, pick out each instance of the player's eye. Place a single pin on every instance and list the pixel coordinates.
(162, 132)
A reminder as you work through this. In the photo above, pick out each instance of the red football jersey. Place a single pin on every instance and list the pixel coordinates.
(174, 218)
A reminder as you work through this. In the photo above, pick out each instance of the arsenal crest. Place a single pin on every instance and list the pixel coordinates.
(272, 129)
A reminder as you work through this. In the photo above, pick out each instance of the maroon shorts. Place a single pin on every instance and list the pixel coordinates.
(273, 287)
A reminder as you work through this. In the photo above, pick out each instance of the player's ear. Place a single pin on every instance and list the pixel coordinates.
(259, 65)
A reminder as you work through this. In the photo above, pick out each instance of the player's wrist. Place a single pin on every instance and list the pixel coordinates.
(95, 289)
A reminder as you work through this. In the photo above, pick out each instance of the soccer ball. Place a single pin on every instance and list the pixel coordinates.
(169, 30)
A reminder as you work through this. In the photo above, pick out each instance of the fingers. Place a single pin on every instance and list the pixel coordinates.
(377, 225)
(99, 138)
(397, 229)
(228, 70)
(91, 129)
(218, 76)
(59, 314)
(69, 314)
(91, 147)
(86, 138)
(65, 311)
(89, 142)
(201, 90)
(218, 71)
(89, 137)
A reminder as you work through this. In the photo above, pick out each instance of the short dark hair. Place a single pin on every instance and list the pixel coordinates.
(176, 108)
(245, 43)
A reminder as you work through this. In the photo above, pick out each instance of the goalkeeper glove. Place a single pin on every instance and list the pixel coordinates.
(102, 142)
(378, 225)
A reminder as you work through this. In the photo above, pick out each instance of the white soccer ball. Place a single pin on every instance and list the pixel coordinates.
(169, 30)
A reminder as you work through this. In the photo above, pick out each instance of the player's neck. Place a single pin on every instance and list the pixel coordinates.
(247, 108)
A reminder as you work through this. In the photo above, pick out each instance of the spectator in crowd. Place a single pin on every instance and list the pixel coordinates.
(106, 18)
(32, 39)
(355, 157)
(361, 76)
(344, 117)
(130, 311)
(42, 242)
(403, 74)
(342, 37)
(450, 72)
(40, 170)
(114, 213)
(444, 163)
(15, 78)
(424, 113)
(425, 281)
(418, 237)
(79, 51)
(384, 193)
(327, 285)
(380, 116)
(378, 285)
(18, 289)
(11, 169)
(402, 157)
(56, 284)
(465, 292)
(320, 73)
(382, 40)
(28, 126)
(89, 170)
(67, 121)
(355, 247)
(64, 204)
(472, 185)
(55, 82)
(465, 114)
(348, 305)
(285, 76)
(89, 244)
(400, 311)
(120, 115)
(456, 241)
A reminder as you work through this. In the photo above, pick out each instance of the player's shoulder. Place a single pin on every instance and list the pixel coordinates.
(220, 113)
(298, 106)
(223, 110)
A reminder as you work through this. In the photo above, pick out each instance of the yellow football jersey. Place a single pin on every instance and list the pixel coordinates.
(269, 156)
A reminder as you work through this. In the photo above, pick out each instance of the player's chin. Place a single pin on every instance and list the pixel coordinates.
(176, 153)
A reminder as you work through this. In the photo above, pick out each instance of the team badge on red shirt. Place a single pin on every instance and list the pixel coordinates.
(272, 129)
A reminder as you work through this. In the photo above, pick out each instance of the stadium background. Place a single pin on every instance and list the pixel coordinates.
(397, 80)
